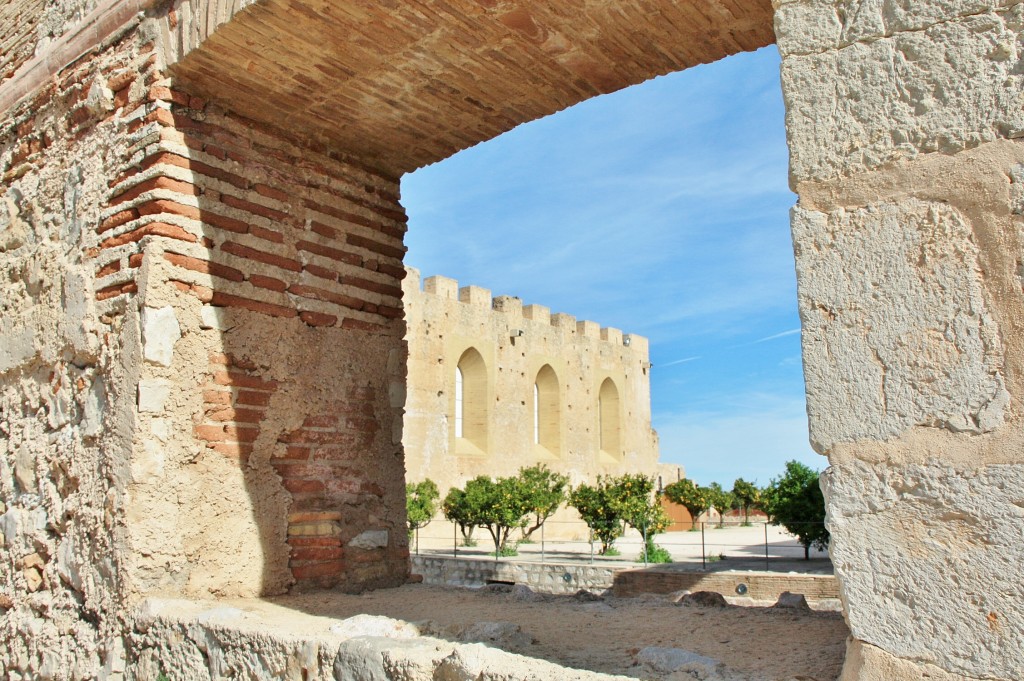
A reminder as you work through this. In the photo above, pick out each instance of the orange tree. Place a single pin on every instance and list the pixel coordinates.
(612, 503)
(794, 500)
(545, 491)
(499, 506)
(693, 497)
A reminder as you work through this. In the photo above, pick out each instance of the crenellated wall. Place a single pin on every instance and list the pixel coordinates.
(516, 342)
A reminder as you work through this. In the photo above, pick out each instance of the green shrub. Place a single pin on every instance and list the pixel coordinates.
(655, 554)
(509, 549)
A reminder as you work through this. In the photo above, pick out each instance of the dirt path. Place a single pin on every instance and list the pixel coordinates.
(604, 635)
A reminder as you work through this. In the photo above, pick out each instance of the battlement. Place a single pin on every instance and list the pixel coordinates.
(512, 307)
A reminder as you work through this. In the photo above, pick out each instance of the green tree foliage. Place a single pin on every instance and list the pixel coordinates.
(640, 510)
(794, 501)
(545, 491)
(611, 504)
(747, 496)
(420, 503)
(689, 495)
(499, 506)
(721, 500)
(458, 510)
(596, 506)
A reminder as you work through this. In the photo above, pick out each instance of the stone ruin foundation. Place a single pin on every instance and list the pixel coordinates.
(201, 359)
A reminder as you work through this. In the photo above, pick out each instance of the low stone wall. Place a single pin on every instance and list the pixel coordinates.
(546, 578)
(761, 586)
(184, 639)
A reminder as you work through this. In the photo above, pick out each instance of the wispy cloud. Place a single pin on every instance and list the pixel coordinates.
(679, 361)
(776, 335)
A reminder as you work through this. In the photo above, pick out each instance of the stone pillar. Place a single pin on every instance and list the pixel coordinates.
(904, 124)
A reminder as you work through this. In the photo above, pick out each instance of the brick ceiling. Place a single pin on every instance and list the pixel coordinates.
(402, 84)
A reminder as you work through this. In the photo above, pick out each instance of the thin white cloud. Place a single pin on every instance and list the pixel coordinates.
(777, 335)
(679, 361)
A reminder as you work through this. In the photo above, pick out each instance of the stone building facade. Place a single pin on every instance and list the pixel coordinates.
(202, 364)
(493, 386)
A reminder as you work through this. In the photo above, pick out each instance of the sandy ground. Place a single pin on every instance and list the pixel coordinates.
(604, 635)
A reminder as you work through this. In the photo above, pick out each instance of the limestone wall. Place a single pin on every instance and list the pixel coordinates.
(904, 125)
(69, 365)
(516, 342)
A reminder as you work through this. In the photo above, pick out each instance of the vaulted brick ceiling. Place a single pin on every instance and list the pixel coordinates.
(402, 84)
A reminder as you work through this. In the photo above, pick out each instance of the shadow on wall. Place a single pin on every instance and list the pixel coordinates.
(273, 280)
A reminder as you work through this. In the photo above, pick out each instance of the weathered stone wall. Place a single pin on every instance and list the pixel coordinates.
(259, 640)
(201, 348)
(904, 125)
(516, 342)
(761, 586)
(68, 370)
(543, 577)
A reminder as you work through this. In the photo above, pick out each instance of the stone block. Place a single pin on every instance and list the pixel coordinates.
(160, 331)
(950, 87)
(806, 26)
(896, 328)
(563, 321)
(25, 469)
(588, 329)
(148, 462)
(511, 306)
(94, 408)
(442, 287)
(396, 394)
(930, 561)
(212, 317)
(538, 313)
(153, 394)
(475, 295)
(370, 539)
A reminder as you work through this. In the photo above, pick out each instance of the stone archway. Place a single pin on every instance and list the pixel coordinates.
(240, 220)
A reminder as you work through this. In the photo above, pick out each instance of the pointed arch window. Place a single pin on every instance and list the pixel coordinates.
(609, 427)
(547, 411)
(470, 412)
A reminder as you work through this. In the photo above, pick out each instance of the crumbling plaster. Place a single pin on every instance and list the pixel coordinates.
(66, 389)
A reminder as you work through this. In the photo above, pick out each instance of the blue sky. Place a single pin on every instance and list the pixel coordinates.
(662, 210)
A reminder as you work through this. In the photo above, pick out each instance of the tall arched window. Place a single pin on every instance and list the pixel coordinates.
(608, 415)
(470, 405)
(547, 411)
(459, 410)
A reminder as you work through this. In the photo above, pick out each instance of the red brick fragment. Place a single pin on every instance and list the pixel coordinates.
(241, 251)
(318, 319)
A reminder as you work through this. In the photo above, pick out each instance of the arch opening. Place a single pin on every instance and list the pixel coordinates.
(470, 413)
(547, 413)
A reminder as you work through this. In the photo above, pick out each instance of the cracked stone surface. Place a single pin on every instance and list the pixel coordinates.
(949, 87)
(929, 560)
(898, 285)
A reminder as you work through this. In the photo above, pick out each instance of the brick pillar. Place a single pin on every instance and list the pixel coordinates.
(278, 270)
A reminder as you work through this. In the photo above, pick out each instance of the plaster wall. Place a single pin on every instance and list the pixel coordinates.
(516, 342)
